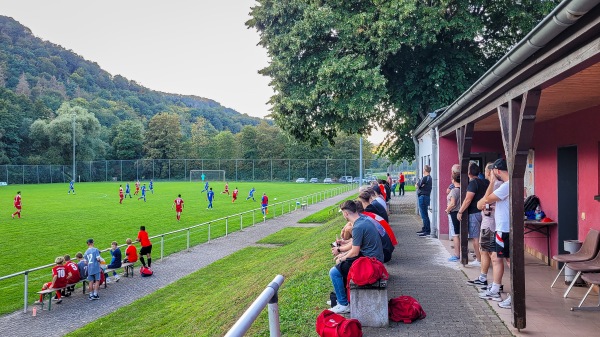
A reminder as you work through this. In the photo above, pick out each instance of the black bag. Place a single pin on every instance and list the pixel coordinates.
(531, 203)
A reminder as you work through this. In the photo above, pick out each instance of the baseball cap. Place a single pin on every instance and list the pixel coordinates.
(500, 164)
(90, 241)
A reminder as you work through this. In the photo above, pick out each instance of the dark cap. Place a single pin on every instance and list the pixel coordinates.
(500, 164)
(90, 241)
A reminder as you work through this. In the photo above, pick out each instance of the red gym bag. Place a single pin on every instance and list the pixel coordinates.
(330, 324)
(367, 270)
(405, 309)
(145, 271)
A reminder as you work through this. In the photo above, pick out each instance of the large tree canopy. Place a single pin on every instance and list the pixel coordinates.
(353, 65)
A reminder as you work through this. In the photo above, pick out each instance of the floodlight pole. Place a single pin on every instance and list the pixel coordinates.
(73, 147)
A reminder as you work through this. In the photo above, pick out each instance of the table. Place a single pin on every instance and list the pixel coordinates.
(542, 228)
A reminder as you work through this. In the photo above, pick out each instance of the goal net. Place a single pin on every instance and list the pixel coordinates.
(209, 175)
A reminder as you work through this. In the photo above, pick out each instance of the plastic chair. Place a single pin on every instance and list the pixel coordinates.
(588, 251)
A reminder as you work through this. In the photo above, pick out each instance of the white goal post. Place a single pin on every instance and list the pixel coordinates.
(209, 175)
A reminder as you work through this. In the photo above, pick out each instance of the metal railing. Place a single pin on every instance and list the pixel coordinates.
(287, 207)
(268, 296)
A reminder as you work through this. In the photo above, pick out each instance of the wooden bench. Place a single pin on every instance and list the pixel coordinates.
(127, 268)
(48, 292)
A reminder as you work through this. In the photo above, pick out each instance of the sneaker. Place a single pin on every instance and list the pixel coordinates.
(117, 278)
(454, 258)
(506, 304)
(489, 286)
(420, 232)
(474, 263)
(478, 282)
(56, 299)
(489, 295)
(108, 280)
(424, 235)
(341, 309)
(329, 302)
(38, 302)
(91, 297)
(96, 297)
(59, 301)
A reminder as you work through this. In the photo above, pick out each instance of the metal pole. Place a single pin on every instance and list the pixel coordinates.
(162, 246)
(25, 294)
(208, 232)
(73, 178)
(226, 225)
(188, 239)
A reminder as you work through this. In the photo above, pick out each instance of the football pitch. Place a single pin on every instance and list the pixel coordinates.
(55, 223)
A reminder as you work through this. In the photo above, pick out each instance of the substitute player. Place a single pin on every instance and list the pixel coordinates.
(210, 196)
(143, 196)
(264, 204)
(121, 195)
(146, 246)
(205, 187)
(251, 194)
(235, 193)
(127, 190)
(178, 204)
(17, 204)
(226, 189)
(59, 280)
(71, 186)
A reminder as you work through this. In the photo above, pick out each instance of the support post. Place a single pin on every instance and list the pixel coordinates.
(464, 139)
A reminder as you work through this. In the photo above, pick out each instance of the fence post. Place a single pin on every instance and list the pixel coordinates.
(241, 222)
(25, 292)
(208, 232)
(162, 246)
(226, 225)
(253, 217)
(188, 239)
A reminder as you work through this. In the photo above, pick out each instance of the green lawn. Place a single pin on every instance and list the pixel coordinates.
(209, 301)
(55, 223)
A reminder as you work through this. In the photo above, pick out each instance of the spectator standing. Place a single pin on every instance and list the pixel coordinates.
(424, 186)
(144, 240)
(475, 191)
(453, 205)
(401, 183)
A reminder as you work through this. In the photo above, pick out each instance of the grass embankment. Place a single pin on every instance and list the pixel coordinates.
(209, 301)
(55, 223)
(326, 214)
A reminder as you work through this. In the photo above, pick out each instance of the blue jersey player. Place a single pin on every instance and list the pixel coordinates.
(251, 194)
(205, 187)
(127, 191)
(143, 196)
(72, 186)
(151, 186)
(210, 196)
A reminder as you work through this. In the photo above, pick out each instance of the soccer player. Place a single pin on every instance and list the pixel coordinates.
(143, 196)
(146, 246)
(72, 275)
(205, 187)
(127, 190)
(264, 204)
(178, 204)
(235, 193)
(92, 257)
(71, 186)
(137, 187)
(59, 280)
(203, 176)
(17, 203)
(210, 196)
(226, 189)
(251, 194)
(121, 196)
(151, 186)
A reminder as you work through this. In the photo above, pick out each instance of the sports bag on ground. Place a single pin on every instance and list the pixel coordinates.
(330, 324)
(367, 270)
(145, 271)
(405, 309)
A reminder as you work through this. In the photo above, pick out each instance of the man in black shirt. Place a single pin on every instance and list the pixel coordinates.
(423, 193)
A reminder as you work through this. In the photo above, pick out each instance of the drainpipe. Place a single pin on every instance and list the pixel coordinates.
(435, 200)
(419, 169)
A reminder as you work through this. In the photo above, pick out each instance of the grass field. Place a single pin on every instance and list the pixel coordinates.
(55, 223)
(209, 301)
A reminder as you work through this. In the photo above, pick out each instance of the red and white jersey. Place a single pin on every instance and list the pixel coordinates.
(121, 191)
(235, 193)
(226, 187)
(18, 200)
(137, 184)
(72, 268)
(61, 276)
(178, 203)
(383, 224)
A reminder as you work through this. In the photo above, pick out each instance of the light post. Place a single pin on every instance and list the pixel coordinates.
(73, 147)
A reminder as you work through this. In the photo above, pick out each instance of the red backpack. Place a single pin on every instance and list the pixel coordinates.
(367, 270)
(330, 324)
(145, 271)
(405, 309)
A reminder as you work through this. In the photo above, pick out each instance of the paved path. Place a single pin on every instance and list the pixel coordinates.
(420, 268)
(69, 316)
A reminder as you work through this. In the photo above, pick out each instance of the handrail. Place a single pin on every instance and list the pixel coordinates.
(310, 198)
(268, 296)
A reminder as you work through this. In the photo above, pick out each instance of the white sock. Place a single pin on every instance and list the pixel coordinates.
(483, 277)
(495, 288)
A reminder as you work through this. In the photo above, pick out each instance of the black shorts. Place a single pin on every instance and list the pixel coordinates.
(455, 223)
(146, 250)
(502, 245)
(487, 240)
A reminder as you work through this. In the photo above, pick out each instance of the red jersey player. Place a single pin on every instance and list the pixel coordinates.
(73, 275)
(59, 279)
(235, 193)
(17, 204)
(137, 187)
(178, 203)
(226, 189)
(121, 195)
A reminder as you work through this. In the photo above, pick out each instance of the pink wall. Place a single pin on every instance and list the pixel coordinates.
(581, 129)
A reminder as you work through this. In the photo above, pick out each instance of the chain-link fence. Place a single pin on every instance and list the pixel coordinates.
(179, 170)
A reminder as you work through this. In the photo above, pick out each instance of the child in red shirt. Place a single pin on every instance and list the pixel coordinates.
(59, 279)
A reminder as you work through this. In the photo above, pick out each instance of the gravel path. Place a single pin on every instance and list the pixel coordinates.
(69, 316)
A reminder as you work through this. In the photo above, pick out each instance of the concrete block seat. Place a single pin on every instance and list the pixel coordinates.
(589, 250)
(369, 304)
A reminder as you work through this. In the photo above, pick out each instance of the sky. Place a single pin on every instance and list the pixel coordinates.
(190, 47)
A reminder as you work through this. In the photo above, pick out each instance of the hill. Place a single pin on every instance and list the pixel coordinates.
(37, 77)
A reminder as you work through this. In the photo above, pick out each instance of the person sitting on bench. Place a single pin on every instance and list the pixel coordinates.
(59, 280)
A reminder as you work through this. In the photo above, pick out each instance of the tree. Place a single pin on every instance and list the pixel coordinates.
(23, 86)
(226, 145)
(128, 142)
(354, 65)
(163, 137)
(247, 140)
(2, 77)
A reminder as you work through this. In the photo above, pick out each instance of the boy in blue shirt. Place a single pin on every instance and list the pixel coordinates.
(205, 187)
(92, 258)
(143, 193)
(115, 262)
(72, 186)
(251, 194)
(151, 186)
(210, 196)
(128, 191)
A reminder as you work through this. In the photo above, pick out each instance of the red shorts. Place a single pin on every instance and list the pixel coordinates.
(178, 209)
(18, 207)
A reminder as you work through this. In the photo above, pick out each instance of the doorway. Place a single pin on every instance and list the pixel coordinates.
(568, 228)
